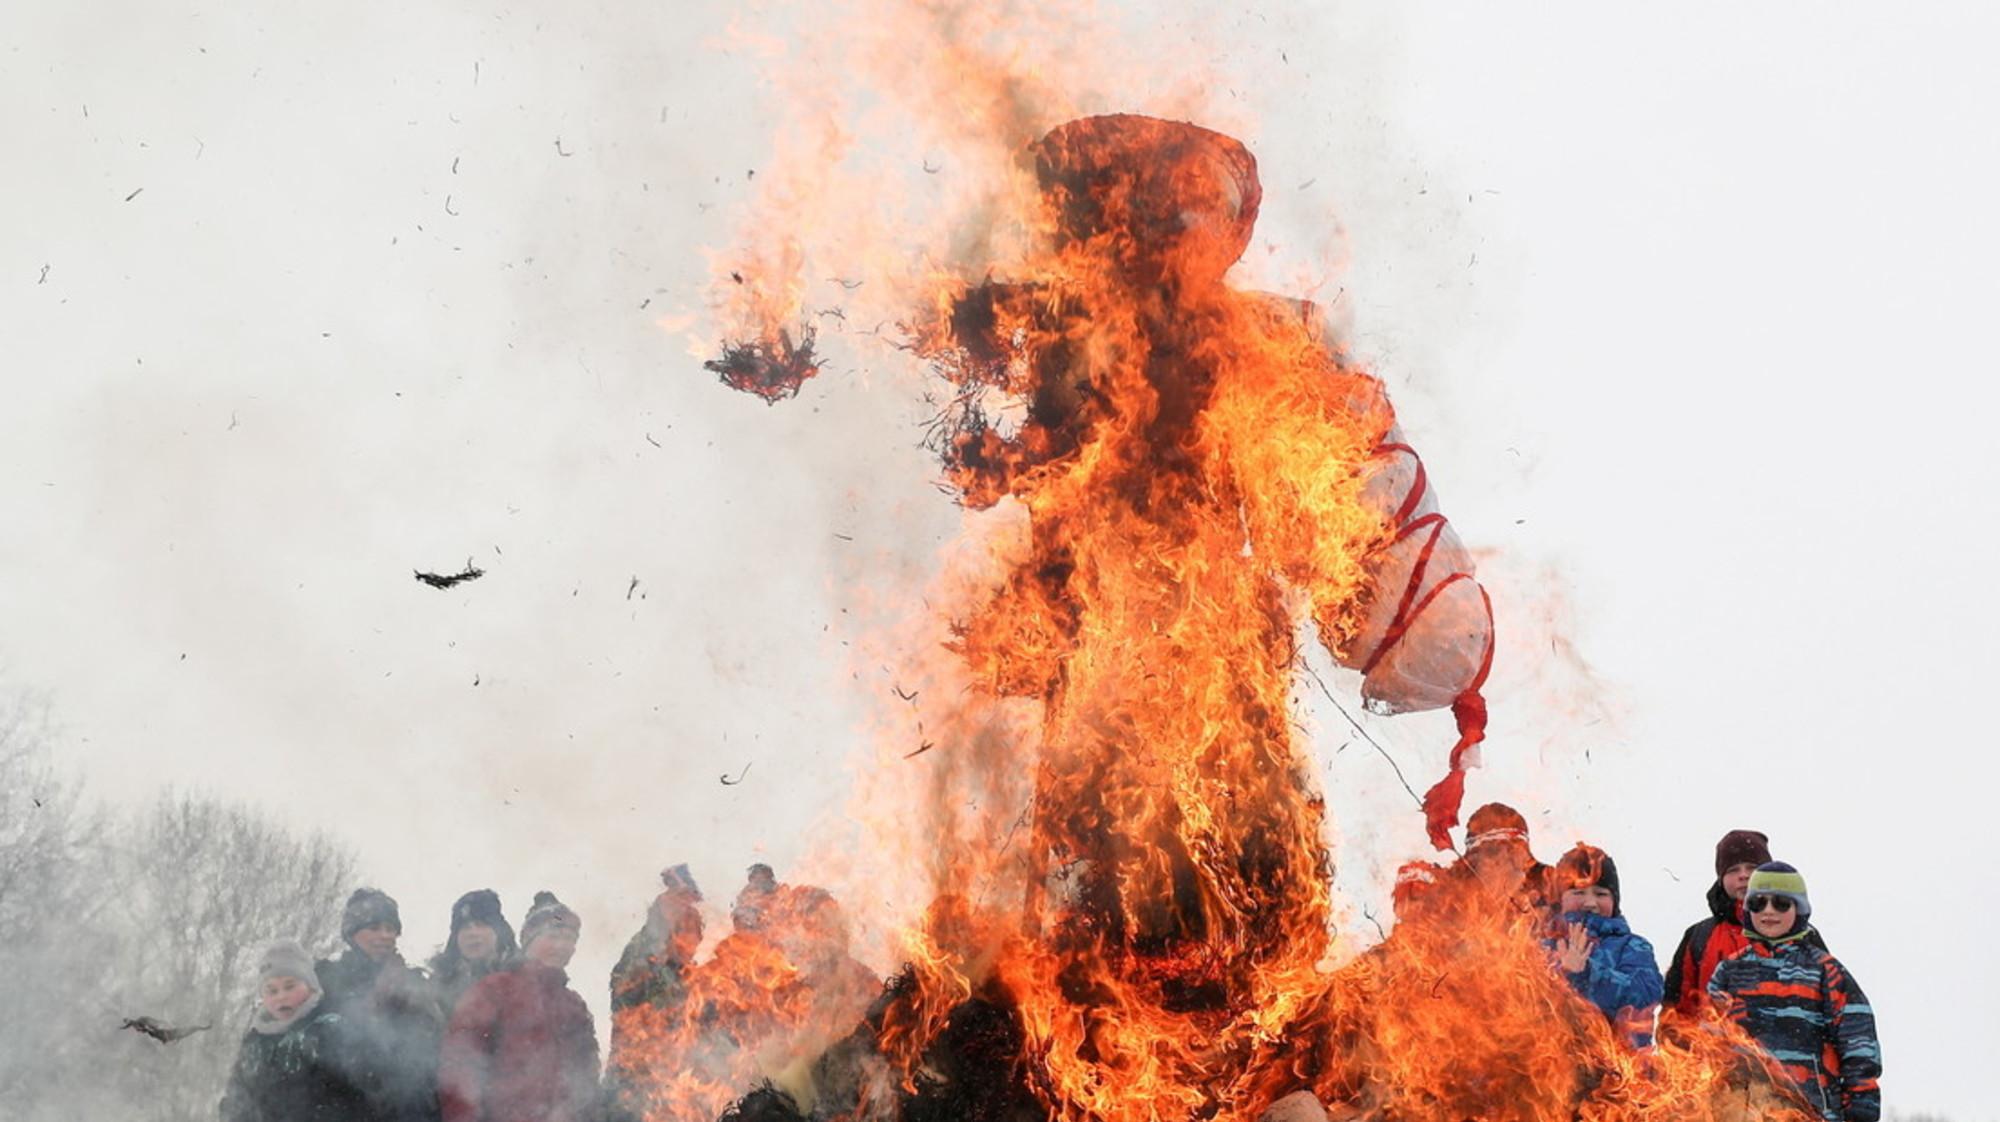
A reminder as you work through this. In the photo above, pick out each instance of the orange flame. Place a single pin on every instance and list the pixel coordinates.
(1201, 470)
(761, 1002)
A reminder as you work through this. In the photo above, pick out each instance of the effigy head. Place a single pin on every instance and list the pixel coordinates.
(1161, 198)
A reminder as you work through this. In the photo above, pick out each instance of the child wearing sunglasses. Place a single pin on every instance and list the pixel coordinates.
(1721, 935)
(1799, 1004)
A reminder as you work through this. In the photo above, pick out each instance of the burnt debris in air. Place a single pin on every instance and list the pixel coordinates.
(772, 369)
(447, 580)
(165, 1034)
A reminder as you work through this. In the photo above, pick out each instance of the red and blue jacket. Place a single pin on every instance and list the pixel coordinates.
(1704, 947)
(1799, 1004)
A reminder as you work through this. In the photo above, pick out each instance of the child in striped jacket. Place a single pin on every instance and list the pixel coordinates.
(1799, 1004)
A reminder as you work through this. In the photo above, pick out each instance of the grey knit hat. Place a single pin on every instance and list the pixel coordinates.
(548, 914)
(287, 959)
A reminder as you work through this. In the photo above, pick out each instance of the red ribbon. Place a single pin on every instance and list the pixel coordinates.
(1442, 801)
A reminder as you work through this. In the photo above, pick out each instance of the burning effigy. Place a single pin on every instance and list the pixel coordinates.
(1201, 469)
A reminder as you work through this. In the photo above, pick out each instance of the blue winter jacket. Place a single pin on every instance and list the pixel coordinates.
(1622, 979)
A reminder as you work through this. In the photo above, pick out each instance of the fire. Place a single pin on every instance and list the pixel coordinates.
(757, 1005)
(1458, 1015)
(1189, 904)
(1201, 470)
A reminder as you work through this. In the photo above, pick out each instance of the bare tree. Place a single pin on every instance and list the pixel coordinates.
(159, 913)
(209, 884)
(42, 856)
(38, 822)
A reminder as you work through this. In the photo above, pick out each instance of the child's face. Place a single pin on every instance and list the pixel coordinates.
(1771, 923)
(478, 942)
(1736, 878)
(283, 996)
(554, 949)
(377, 942)
(1592, 899)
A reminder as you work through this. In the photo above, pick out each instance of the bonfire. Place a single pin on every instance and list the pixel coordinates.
(1202, 470)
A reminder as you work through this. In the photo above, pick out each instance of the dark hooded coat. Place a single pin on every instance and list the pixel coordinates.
(393, 1011)
(451, 973)
(304, 1074)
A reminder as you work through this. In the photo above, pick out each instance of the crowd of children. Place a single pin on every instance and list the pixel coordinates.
(492, 1031)
(1756, 960)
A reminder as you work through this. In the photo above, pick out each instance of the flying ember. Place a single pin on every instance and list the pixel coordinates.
(1201, 470)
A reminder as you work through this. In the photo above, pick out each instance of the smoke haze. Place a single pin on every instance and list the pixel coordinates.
(299, 301)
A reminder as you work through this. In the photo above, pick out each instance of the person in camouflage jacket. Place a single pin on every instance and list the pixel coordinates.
(1721, 935)
(1799, 1003)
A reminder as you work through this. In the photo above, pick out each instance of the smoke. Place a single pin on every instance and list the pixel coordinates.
(389, 296)
(390, 300)
(128, 939)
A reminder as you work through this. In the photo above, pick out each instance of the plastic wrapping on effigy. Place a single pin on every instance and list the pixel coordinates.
(1425, 638)
(1423, 629)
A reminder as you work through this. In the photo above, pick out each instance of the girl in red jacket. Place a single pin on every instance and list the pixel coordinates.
(521, 1047)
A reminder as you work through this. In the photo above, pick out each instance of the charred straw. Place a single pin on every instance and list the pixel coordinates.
(772, 369)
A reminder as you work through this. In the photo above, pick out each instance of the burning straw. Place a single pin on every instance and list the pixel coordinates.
(772, 369)
(1201, 470)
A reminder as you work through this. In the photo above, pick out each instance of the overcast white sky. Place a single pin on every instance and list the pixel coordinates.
(1685, 307)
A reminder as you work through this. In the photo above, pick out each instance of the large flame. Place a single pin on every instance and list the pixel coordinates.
(1201, 471)
(1185, 905)
(770, 993)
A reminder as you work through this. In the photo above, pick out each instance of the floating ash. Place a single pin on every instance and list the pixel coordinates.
(165, 1034)
(772, 368)
(471, 572)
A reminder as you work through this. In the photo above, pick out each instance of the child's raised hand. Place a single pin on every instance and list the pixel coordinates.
(1573, 950)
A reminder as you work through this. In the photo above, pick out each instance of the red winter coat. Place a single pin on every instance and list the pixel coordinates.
(521, 1048)
(1705, 946)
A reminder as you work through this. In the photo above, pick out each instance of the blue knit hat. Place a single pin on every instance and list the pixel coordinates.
(1775, 878)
